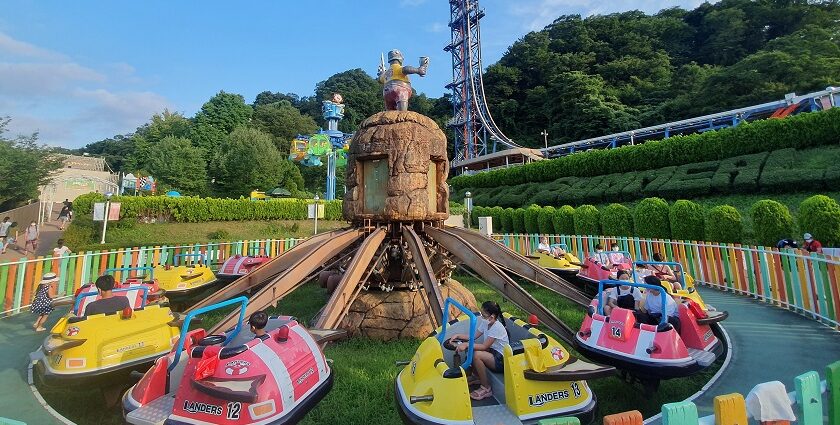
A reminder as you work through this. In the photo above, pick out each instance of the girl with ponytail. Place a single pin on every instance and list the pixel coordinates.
(487, 354)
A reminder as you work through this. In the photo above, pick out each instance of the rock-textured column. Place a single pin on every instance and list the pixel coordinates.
(412, 144)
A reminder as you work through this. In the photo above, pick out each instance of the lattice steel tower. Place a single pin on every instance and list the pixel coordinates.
(475, 132)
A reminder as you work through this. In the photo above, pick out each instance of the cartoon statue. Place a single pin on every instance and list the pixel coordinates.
(397, 88)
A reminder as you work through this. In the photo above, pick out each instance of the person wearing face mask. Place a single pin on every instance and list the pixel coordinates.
(664, 271)
(811, 244)
(615, 257)
(623, 296)
(651, 308)
(31, 235)
(488, 353)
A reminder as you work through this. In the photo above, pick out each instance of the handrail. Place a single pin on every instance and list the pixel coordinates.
(243, 301)
(81, 296)
(661, 290)
(442, 335)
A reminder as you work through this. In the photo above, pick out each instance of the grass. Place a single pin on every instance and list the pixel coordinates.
(84, 235)
(365, 372)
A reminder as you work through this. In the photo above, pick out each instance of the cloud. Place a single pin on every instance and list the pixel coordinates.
(411, 3)
(436, 27)
(536, 14)
(67, 103)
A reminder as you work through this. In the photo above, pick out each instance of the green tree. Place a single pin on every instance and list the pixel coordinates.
(24, 165)
(216, 119)
(724, 224)
(177, 164)
(250, 161)
(616, 220)
(159, 127)
(587, 220)
(820, 216)
(116, 151)
(650, 219)
(362, 96)
(771, 222)
(283, 122)
(687, 222)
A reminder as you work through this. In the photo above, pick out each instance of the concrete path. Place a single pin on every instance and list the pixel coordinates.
(50, 234)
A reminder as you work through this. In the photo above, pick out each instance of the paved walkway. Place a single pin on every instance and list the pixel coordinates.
(49, 236)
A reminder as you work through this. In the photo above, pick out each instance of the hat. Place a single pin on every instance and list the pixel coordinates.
(808, 236)
(49, 278)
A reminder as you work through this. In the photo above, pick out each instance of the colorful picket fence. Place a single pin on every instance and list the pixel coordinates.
(19, 279)
(801, 281)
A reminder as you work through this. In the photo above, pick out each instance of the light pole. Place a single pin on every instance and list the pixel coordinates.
(316, 214)
(107, 213)
(544, 134)
(468, 204)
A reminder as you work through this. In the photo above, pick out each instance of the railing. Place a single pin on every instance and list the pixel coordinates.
(800, 281)
(19, 279)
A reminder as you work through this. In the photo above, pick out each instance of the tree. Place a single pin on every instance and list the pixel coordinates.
(116, 150)
(362, 94)
(283, 122)
(267, 98)
(217, 118)
(250, 161)
(159, 127)
(24, 165)
(177, 164)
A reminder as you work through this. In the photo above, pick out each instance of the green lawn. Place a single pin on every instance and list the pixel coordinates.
(365, 371)
(82, 235)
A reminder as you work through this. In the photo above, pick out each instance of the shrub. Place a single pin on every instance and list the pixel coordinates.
(218, 235)
(496, 213)
(587, 220)
(546, 227)
(723, 224)
(475, 214)
(650, 219)
(564, 220)
(83, 204)
(819, 215)
(771, 222)
(507, 220)
(518, 220)
(616, 220)
(532, 214)
(686, 219)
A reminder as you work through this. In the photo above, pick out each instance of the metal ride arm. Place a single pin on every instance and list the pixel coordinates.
(441, 337)
(424, 267)
(520, 265)
(500, 281)
(344, 293)
(661, 290)
(267, 271)
(295, 275)
(242, 301)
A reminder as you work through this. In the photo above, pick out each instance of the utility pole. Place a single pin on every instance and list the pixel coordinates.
(544, 134)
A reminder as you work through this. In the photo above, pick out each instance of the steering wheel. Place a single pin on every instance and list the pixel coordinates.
(449, 346)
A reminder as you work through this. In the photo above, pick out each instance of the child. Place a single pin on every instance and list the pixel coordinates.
(486, 354)
(42, 305)
(4, 234)
(258, 320)
(60, 249)
(32, 234)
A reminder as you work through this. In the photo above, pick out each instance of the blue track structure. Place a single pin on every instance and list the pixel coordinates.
(475, 132)
(791, 105)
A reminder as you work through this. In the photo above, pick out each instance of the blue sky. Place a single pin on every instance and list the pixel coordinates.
(78, 72)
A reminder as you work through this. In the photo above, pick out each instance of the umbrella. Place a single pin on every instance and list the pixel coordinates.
(173, 194)
(279, 191)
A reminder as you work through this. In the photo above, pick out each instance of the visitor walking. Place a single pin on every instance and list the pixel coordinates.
(63, 217)
(42, 304)
(811, 244)
(31, 235)
(4, 234)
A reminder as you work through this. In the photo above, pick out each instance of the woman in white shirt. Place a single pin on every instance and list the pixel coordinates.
(486, 354)
(624, 296)
(652, 308)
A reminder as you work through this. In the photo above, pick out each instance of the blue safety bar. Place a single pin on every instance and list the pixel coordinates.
(243, 301)
(151, 270)
(562, 246)
(199, 255)
(115, 291)
(661, 290)
(442, 334)
(677, 267)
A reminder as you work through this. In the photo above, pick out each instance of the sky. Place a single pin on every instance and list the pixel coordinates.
(78, 72)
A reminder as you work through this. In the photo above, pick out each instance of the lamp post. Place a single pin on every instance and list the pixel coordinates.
(544, 134)
(107, 213)
(468, 204)
(316, 214)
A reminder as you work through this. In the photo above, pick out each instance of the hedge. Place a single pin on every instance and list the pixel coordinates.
(518, 220)
(819, 215)
(564, 220)
(784, 170)
(507, 220)
(587, 220)
(532, 224)
(799, 131)
(686, 219)
(723, 224)
(771, 222)
(545, 220)
(651, 219)
(194, 209)
(617, 220)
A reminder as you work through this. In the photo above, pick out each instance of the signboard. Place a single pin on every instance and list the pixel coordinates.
(311, 211)
(99, 211)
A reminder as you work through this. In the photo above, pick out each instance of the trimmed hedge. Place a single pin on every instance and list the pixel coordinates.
(799, 131)
(507, 220)
(819, 215)
(518, 219)
(532, 224)
(587, 220)
(545, 220)
(617, 220)
(194, 209)
(564, 220)
(686, 220)
(650, 219)
(771, 222)
(723, 224)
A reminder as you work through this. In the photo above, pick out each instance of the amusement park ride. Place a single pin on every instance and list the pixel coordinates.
(330, 144)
